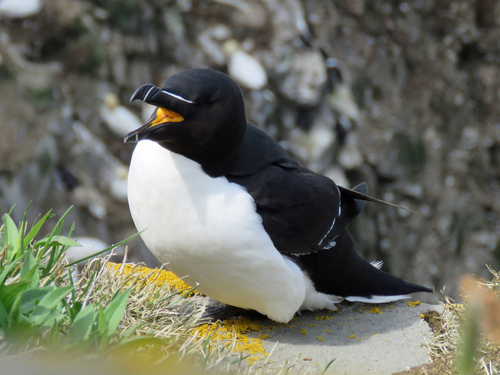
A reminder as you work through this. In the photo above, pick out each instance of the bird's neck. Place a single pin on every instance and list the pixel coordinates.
(215, 155)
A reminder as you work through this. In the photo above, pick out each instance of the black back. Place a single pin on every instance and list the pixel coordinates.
(297, 206)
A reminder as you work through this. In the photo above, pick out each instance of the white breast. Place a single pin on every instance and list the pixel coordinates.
(207, 229)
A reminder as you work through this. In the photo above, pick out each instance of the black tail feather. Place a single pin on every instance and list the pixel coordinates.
(342, 272)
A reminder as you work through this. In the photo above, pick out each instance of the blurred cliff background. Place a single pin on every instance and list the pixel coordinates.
(402, 95)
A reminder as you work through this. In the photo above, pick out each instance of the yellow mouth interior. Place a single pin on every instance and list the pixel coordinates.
(166, 115)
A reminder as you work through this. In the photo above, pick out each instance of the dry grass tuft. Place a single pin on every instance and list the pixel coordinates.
(450, 327)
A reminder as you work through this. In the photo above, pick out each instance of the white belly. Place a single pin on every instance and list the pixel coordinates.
(207, 230)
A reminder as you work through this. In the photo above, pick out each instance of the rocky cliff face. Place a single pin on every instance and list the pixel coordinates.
(403, 95)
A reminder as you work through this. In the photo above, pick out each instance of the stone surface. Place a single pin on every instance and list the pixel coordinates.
(360, 338)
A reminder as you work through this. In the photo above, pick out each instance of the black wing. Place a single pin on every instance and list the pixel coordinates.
(298, 207)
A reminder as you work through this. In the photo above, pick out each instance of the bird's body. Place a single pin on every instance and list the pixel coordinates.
(213, 236)
(228, 209)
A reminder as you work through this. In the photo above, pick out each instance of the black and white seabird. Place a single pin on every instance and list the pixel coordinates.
(228, 209)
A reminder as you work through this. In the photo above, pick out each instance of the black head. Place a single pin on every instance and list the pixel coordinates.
(199, 113)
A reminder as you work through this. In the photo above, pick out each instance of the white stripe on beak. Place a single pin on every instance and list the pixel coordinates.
(147, 94)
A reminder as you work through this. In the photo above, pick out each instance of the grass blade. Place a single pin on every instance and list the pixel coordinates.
(4, 317)
(6, 271)
(55, 231)
(36, 227)
(9, 230)
(57, 240)
(83, 324)
(20, 331)
(9, 293)
(30, 271)
(115, 310)
(10, 237)
(48, 303)
(103, 251)
(327, 366)
(467, 350)
(15, 313)
(31, 298)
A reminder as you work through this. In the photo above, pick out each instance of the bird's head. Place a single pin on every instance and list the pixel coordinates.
(199, 113)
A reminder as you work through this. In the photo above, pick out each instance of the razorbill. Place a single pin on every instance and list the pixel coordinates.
(228, 209)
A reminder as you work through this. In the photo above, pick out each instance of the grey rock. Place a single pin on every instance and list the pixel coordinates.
(119, 119)
(19, 9)
(303, 77)
(243, 68)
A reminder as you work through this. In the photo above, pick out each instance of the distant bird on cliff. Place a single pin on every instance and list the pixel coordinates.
(228, 209)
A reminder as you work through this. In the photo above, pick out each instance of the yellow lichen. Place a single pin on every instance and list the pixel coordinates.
(351, 336)
(319, 338)
(303, 331)
(236, 329)
(413, 303)
(312, 325)
(376, 310)
(159, 277)
(326, 330)
(323, 317)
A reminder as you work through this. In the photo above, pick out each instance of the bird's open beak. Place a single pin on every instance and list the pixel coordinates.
(160, 116)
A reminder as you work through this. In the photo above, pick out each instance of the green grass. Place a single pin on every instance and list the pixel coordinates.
(102, 317)
(39, 303)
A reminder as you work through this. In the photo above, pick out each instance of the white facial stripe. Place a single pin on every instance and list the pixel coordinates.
(177, 97)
